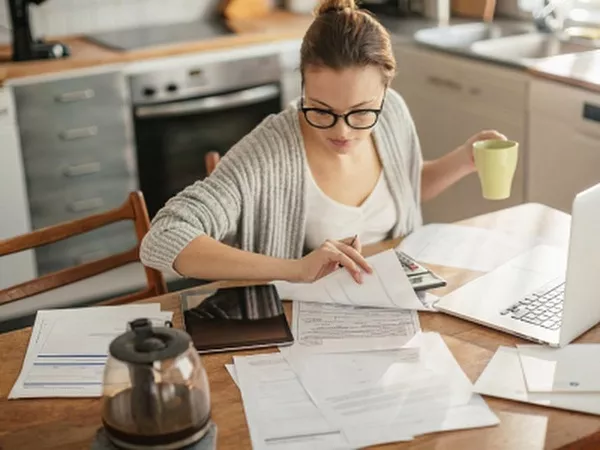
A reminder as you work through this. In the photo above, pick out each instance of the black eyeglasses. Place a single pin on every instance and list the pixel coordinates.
(359, 119)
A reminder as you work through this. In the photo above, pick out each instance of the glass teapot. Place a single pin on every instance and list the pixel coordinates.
(155, 390)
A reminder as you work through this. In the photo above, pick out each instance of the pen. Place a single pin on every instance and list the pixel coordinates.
(351, 244)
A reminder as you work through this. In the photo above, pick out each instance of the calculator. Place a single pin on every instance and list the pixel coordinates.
(420, 277)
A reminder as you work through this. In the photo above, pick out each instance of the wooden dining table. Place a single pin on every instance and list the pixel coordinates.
(67, 424)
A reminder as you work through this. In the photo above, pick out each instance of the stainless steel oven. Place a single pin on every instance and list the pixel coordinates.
(182, 114)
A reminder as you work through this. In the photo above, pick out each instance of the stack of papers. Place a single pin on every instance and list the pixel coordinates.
(565, 378)
(464, 247)
(387, 287)
(355, 377)
(68, 349)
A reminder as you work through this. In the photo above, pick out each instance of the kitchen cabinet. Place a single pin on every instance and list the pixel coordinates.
(20, 267)
(291, 77)
(564, 143)
(450, 99)
(79, 159)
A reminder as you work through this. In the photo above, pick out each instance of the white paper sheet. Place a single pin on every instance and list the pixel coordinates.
(428, 300)
(231, 369)
(574, 368)
(279, 412)
(383, 396)
(68, 349)
(503, 378)
(327, 328)
(386, 287)
(465, 247)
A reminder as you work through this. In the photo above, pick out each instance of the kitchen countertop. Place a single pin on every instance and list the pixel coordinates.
(579, 69)
(277, 25)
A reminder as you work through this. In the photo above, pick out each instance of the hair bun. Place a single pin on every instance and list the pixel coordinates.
(327, 6)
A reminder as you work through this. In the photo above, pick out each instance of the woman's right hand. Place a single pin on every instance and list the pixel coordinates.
(329, 257)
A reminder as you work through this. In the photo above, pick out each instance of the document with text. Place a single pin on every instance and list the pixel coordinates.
(327, 328)
(462, 246)
(386, 396)
(68, 349)
(387, 287)
(279, 412)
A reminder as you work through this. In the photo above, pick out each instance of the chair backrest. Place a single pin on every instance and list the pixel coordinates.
(211, 159)
(134, 208)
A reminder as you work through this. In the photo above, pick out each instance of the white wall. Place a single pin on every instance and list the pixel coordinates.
(65, 17)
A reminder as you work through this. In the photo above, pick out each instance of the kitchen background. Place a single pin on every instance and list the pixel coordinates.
(75, 140)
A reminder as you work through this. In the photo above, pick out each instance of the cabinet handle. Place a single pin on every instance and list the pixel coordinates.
(86, 205)
(79, 133)
(591, 112)
(78, 170)
(75, 96)
(443, 82)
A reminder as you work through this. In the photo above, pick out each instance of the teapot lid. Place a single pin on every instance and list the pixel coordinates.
(144, 344)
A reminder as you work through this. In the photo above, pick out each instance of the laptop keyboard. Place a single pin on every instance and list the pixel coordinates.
(542, 308)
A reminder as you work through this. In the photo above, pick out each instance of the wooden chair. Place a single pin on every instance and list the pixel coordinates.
(211, 159)
(133, 209)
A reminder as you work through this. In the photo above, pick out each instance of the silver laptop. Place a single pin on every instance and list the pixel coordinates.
(547, 295)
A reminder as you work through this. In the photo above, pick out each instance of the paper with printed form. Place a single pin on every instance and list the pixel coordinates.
(279, 412)
(463, 246)
(327, 328)
(387, 396)
(68, 349)
(387, 287)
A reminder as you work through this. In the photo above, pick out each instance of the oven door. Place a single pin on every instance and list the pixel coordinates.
(173, 138)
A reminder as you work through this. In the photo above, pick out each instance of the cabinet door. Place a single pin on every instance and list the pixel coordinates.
(564, 134)
(14, 206)
(450, 100)
(563, 162)
(442, 126)
(291, 79)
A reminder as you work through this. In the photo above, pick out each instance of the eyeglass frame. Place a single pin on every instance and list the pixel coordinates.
(336, 117)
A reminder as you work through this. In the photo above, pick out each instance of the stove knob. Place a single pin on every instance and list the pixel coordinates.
(172, 87)
(148, 92)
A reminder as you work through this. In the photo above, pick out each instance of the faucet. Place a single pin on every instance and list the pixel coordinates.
(550, 18)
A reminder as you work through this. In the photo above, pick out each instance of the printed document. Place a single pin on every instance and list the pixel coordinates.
(279, 412)
(466, 247)
(387, 396)
(573, 368)
(503, 378)
(68, 349)
(327, 328)
(386, 287)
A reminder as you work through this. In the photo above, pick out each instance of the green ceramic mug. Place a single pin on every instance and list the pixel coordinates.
(496, 163)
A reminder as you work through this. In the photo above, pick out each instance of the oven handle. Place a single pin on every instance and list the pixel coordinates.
(215, 103)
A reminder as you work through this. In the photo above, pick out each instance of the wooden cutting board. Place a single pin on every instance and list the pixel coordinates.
(246, 9)
(479, 9)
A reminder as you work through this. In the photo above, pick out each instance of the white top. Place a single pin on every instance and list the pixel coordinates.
(326, 218)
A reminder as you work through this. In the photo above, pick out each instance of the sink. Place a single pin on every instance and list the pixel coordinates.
(464, 35)
(526, 47)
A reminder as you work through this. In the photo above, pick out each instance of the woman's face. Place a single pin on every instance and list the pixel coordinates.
(341, 92)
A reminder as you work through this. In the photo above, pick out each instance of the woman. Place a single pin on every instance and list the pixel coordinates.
(300, 194)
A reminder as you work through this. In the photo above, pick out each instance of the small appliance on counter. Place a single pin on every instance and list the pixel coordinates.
(155, 393)
(25, 48)
(398, 8)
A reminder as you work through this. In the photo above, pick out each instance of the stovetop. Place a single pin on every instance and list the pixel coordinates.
(161, 35)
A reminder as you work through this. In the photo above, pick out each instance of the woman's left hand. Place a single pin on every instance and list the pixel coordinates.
(467, 148)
